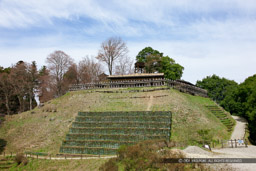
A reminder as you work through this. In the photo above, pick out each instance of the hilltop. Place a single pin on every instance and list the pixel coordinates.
(43, 129)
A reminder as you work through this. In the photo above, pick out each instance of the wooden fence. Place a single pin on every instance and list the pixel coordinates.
(181, 86)
(47, 156)
(236, 143)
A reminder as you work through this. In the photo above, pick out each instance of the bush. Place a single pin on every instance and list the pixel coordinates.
(110, 165)
(20, 158)
(146, 155)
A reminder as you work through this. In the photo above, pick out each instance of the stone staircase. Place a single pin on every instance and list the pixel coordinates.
(222, 116)
(101, 133)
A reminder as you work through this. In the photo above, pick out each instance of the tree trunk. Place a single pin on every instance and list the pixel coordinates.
(30, 102)
(7, 105)
(21, 104)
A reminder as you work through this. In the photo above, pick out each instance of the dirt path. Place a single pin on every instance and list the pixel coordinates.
(239, 130)
(150, 102)
(62, 158)
(242, 152)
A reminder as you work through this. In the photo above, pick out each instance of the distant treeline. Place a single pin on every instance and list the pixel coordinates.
(22, 82)
(238, 99)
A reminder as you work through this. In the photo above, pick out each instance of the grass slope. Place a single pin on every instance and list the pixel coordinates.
(42, 131)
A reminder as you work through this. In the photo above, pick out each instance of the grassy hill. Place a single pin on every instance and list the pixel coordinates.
(43, 129)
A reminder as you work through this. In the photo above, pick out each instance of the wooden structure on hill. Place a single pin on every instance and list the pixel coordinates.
(154, 79)
(139, 67)
(136, 77)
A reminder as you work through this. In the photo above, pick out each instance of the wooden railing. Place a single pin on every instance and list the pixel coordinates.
(181, 86)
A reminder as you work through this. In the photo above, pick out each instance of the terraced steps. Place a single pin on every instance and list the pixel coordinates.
(101, 133)
(222, 116)
(103, 124)
(5, 164)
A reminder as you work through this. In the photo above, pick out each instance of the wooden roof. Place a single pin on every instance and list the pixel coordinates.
(138, 75)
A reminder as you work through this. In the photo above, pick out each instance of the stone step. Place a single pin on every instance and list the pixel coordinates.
(88, 150)
(97, 143)
(123, 124)
(130, 131)
(114, 137)
(128, 114)
(120, 118)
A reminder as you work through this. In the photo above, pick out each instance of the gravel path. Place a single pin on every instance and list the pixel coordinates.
(242, 152)
(239, 130)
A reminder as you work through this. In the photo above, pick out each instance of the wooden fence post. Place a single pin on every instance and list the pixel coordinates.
(232, 143)
(235, 144)
(222, 143)
(245, 142)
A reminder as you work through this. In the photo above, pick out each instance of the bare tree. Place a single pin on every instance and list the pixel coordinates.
(124, 66)
(89, 70)
(58, 64)
(110, 50)
(45, 87)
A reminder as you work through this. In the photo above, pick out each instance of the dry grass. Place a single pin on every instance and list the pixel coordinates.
(60, 165)
(44, 130)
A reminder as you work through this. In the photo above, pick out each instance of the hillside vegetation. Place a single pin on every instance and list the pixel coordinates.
(43, 129)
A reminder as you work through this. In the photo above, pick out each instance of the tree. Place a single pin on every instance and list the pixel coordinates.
(157, 62)
(20, 81)
(6, 88)
(124, 66)
(89, 70)
(45, 87)
(245, 104)
(111, 50)
(170, 68)
(58, 64)
(218, 88)
(32, 82)
(142, 55)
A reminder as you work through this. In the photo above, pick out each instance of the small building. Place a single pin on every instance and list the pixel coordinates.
(138, 79)
(102, 77)
(139, 67)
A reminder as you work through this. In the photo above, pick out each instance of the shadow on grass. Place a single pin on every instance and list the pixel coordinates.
(2, 145)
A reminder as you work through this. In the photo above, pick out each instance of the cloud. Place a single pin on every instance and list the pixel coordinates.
(214, 36)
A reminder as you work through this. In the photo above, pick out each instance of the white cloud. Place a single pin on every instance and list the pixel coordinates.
(207, 37)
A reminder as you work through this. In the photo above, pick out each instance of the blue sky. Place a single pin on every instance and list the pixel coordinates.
(206, 37)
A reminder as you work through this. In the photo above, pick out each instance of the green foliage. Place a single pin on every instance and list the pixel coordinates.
(141, 57)
(245, 104)
(148, 155)
(205, 135)
(171, 69)
(219, 89)
(237, 99)
(156, 62)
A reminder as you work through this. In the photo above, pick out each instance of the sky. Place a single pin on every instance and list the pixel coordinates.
(205, 36)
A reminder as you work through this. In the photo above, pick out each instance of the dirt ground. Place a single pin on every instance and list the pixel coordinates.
(242, 152)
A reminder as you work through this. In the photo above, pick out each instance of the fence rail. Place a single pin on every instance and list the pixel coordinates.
(47, 156)
(236, 143)
(179, 85)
